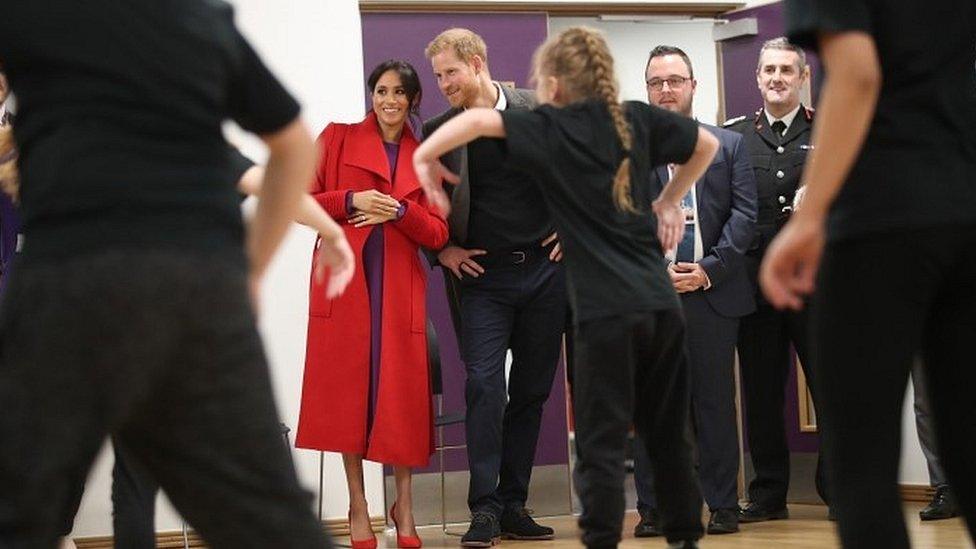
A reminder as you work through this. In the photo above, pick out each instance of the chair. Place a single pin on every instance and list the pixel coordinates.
(442, 419)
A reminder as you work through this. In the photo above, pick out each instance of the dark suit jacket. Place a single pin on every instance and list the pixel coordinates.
(457, 162)
(727, 210)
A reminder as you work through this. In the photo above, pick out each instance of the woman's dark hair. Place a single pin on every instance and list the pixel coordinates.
(408, 78)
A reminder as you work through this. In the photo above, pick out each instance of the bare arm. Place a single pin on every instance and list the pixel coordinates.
(667, 206)
(847, 105)
(309, 213)
(334, 253)
(686, 174)
(289, 169)
(460, 130)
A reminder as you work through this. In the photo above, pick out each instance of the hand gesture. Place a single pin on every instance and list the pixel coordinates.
(670, 223)
(459, 260)
(431, 173)
(364, 219)
(687, 277)
(375, 202)
(336, 256)
(556, 255)
(790, 266)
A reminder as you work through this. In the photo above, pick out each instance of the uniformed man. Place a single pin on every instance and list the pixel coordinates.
(778, 140)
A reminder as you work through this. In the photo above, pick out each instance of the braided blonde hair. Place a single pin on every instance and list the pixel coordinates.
(580, 60)
(8, 163)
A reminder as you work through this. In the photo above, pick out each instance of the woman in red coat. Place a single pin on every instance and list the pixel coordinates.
(366, 391)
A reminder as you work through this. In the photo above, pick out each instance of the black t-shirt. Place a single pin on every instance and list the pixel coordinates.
(613, 259)
(918, 164)
(120, 106)
(507, 211)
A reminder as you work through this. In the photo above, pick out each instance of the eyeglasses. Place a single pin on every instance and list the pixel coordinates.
(674, 82)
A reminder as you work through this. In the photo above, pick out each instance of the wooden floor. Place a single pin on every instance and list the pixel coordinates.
(806, 529)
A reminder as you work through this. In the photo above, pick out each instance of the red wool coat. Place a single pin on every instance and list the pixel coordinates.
(335, 396)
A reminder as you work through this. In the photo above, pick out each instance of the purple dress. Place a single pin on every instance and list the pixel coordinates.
(373, 255)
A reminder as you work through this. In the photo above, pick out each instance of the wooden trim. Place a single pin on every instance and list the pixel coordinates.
(174, 539)
(916, 492)
(552, 7)
(807, 414)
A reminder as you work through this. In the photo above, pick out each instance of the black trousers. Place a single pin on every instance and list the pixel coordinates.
(519, 307)
(880, 300)
(133, 501)
(711, 359)
(765, 338)
(632, 370)
(160, 350)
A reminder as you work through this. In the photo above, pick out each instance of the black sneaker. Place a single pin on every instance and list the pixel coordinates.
(942, 506)
(483, 531)
(759, 513)
(648, 527)
(723, 521)
(517, 524)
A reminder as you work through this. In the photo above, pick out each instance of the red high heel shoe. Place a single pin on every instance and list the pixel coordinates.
(404, 542)
(368, 543)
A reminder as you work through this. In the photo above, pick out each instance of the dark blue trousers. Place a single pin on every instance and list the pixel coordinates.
(521, 307)
(711, 356)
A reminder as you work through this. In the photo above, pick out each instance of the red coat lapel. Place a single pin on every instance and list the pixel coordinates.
(365, 147)
(365, 150)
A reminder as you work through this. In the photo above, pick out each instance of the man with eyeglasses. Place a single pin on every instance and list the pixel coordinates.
(708, 272)
(778, 139)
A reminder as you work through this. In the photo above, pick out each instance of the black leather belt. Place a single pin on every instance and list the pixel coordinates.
(515, 257)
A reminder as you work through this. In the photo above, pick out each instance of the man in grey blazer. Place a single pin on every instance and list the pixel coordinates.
(708, 272)
(507, 291)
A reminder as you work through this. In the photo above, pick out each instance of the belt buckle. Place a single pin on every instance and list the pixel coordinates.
(519, 257)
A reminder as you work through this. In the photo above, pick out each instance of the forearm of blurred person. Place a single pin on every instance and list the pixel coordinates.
(309, 212)
(288, 171)
(686, 174)
(847, 104)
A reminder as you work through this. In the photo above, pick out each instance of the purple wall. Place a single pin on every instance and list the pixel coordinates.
(739, 58)
(511, 39)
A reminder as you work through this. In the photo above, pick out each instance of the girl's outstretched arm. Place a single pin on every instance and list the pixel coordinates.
(667, 207)
(334, 255)
(460, 130)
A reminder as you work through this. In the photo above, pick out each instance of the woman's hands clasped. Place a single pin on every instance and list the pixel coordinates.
(372, 208)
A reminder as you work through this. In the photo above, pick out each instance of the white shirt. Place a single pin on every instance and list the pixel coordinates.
(699, 247)
(502, 102)
(788, 119)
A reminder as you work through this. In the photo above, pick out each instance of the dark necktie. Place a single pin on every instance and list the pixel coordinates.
(779, 127)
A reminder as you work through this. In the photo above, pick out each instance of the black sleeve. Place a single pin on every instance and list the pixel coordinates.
(258, 101)
(239, 164)
(805, 19)
(671, 137)
(527, 139)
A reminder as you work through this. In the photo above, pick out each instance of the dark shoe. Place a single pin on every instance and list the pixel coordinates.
(648, 525)
(687, 544)
(942, 506)
(483, 531)
(757, 513)
(517, 524)
(723, 521)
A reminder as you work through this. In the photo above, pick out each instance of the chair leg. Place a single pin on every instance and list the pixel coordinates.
(186, 536)
(321, 481)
